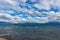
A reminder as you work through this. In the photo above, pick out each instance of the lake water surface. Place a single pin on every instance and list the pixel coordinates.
(43, 32)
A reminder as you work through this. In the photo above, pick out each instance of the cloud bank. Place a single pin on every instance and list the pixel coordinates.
(31, 11)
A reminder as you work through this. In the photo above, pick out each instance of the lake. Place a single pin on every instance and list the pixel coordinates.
(43, 32)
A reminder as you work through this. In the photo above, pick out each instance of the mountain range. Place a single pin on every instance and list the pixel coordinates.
(30, 24)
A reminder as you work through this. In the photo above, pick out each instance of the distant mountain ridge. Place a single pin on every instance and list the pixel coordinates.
(29, 24)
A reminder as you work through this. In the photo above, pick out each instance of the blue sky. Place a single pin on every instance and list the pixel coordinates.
(32, 11)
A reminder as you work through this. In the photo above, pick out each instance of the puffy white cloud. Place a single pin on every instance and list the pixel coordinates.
(21, 8)
(43, 5)
(46, 4)
(11, 2)
(44, 17)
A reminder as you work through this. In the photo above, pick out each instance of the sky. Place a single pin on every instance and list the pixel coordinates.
(29, 11)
